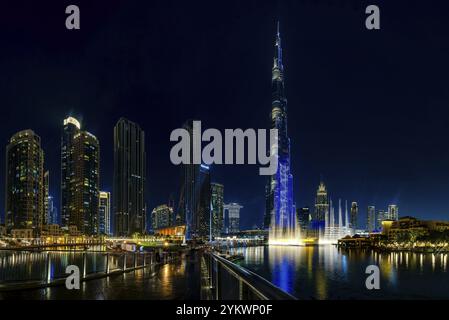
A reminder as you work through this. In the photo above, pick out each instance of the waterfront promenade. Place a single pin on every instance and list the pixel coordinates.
(177, 279)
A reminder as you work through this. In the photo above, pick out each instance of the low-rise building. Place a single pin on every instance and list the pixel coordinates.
(2, 231)
(52, 230)
(22, 233)
(412, 226)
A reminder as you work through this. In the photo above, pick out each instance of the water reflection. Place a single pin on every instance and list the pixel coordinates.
(326, 272)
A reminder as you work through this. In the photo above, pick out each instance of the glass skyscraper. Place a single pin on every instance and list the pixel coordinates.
(128, 194)
(104, 213)
(195, 196)
(233, 217)
(321, 207)
(371, 219)
(46, 219)
(86, 179)
(80, 178)
(161, 217)
(217, 195)
(70, 129)
(24, 203)
(354, 215)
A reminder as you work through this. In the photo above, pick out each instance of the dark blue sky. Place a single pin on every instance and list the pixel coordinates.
(369, 110)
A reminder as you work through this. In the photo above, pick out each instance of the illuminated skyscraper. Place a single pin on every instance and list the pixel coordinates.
(381, 216)
(371, 219)
(52, 211)
(128, 193)
(217, 194)
(70, 129)
(83, 203)
(203, 213)
(393, 212)
(280, 210)
(233, 225)
(161, 217)
(104, 213)
(321, 208)
(24, 189)
(304, 218)
(195, 196)
(354, 216)
(46, 219)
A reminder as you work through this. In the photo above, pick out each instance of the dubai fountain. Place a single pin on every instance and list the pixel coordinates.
(334, 231)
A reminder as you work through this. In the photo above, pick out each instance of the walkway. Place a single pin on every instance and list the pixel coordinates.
(177, 280)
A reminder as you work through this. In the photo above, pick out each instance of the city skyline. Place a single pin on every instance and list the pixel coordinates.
(383, 168)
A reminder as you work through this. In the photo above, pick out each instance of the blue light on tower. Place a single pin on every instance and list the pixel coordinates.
(280, 211)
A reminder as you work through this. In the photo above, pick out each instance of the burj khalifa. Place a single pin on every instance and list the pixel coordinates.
(280, 217)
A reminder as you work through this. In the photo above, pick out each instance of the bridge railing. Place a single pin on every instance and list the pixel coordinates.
(224, 280)
(47, 267)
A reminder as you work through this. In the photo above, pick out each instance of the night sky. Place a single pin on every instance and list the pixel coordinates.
(368, 110)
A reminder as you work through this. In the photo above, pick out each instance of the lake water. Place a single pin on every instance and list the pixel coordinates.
(326, 272)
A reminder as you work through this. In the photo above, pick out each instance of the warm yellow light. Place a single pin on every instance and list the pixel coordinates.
(73, 121)
(285, 242)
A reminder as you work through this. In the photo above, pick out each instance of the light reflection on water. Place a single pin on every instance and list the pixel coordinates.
(32, 266)
(326, 272)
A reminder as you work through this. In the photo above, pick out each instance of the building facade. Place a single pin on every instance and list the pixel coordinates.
(52, 211)
(217, 198)
(128, 193)
(83, 203)
(46, 218)
(71, 127)
(321, 208)
(412, 229)
(202, 216)
(393, 212)
(194, 209)
(353, 223)
(381, 216)
(104, 213)
(233, 217)
(371, 219)
(24, 185)
(161, 217)
(304, 219)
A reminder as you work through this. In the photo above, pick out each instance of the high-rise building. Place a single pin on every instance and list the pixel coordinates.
(71, 127)
(233, 224)
(304, 218)
(195, 195)
(217, 195)
(393, 212)
(24, 203)
(128, 193)
(321, 208)
(381, 216)
(52, 211)
(104, 213)
(46, 218)
(371, 219)
(280, 209)
(203, 213)
(161, 217)
(83, 203)
(188, 196)
(354, 216)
